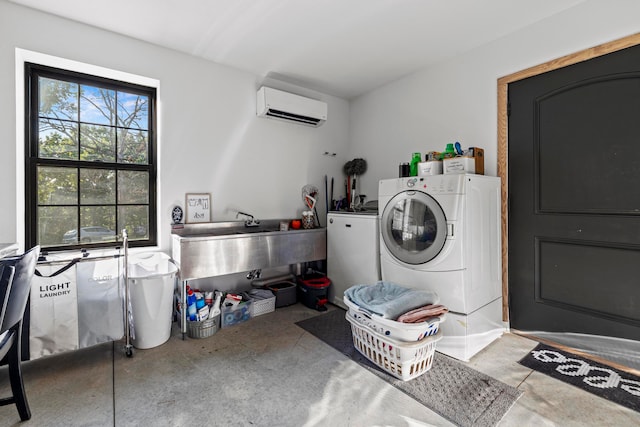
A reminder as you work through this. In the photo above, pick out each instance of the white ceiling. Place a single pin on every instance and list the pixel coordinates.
(339, 47)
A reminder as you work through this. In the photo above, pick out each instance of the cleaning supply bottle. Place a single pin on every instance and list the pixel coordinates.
(199, 300)
(449, 152)
(191, 305)
(215, 307)
(216, 303)
(417, 158)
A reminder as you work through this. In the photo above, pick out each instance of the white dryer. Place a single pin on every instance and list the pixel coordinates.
(443, 233)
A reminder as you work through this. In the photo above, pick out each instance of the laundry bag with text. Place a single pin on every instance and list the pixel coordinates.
(100, 302)
(53, 324)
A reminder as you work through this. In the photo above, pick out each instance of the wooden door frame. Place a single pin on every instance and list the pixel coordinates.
(503, 83)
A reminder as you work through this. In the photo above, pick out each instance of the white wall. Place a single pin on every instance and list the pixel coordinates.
(457, 100)
(211, 140)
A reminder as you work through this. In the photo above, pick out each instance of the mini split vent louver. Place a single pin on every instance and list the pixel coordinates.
(277, 104)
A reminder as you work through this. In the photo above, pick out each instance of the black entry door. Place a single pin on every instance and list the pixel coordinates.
(574, 198)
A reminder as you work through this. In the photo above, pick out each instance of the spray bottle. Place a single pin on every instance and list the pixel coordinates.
(215, 308)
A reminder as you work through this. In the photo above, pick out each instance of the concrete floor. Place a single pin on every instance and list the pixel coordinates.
(269, 372)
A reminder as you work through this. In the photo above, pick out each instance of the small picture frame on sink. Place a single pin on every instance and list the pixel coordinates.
(198, 207)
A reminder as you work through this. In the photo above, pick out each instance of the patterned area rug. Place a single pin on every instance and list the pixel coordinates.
(602, 380)
(451, 389)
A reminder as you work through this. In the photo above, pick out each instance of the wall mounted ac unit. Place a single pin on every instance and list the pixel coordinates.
(277, 104)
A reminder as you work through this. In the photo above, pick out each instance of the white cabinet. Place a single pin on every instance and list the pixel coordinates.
(353, 255)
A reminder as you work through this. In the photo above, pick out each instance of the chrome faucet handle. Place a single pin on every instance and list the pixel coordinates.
(251, 221)
(245, 214)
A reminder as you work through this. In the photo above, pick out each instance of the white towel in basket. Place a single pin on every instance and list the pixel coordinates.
(389, 300)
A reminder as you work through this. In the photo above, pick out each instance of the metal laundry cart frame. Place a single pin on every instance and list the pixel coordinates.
(128, 347)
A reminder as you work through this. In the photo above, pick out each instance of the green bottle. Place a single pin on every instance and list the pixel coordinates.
(449, 151)
(413, 167)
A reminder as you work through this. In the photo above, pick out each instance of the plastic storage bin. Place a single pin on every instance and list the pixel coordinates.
(390, 328)
(403, 360)
(285, 292)
(233, 315)
(263, 302)
(151, 278)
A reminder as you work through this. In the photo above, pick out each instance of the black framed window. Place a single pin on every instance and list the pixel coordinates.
(90, 160)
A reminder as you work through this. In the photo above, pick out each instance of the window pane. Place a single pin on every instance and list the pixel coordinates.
(57, 139)
(97, 105)
(57, 225)
(132, 146)
(58, 99)
(97, 143)
(57, 186)
(133, 111)
(89, 159)
(133, 187)
(97, 224)
(135, 219)
(97, 187)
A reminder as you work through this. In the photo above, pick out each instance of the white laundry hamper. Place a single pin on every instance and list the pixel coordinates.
(151, 279)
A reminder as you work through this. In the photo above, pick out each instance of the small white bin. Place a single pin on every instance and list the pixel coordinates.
(264, 301)
(459, 165)
(151, 285)
(433, 167)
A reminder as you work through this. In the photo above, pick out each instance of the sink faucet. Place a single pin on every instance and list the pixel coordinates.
(250, 222)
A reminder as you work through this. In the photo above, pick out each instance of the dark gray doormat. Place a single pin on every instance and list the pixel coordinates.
(456, 392)
(602, 380)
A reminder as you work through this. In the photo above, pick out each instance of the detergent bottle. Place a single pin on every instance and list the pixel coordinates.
(417, 158)
(191, 305)
(449, 152)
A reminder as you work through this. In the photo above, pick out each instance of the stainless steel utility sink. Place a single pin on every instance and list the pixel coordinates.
(253, 230)
(230, 228)
(219, 248)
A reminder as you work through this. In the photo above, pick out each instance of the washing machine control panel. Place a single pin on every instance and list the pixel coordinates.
(433, 184)
(436, 184)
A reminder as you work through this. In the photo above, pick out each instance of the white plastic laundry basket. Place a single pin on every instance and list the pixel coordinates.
(392, 329)
(403, 360)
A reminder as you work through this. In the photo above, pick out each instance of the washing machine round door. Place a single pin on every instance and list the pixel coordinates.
(413, 227)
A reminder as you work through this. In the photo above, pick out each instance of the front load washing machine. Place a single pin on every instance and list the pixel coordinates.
(443, 233)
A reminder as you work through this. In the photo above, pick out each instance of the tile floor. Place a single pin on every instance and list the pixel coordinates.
(269, 372)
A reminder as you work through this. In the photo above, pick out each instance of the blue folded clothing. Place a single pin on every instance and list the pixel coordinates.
(389, 300)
